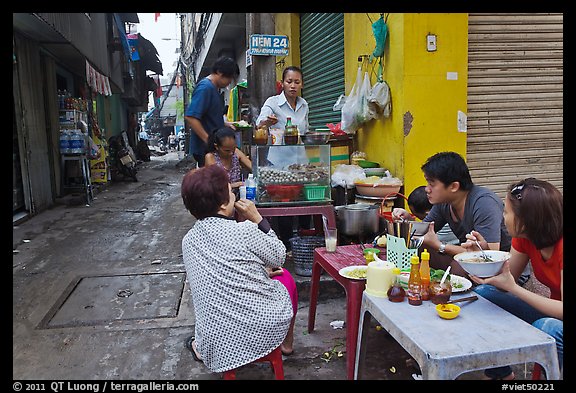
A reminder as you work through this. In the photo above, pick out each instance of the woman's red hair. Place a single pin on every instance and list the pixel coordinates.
(204, 190)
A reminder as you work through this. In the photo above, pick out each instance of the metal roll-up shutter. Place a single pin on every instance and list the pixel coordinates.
(322, 62)
(515, 90)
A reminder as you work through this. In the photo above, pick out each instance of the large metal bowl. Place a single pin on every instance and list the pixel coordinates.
(315, 138)
(359, 219)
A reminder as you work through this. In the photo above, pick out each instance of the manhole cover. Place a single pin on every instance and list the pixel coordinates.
(103, 299)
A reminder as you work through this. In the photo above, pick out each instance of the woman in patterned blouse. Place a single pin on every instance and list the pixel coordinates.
(222, 151)
(244, 302)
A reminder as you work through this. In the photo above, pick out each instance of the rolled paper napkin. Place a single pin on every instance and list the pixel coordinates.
(379, 277)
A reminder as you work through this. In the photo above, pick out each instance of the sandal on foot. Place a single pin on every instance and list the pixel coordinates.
(190, 347)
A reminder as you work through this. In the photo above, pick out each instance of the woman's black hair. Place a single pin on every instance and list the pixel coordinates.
(448, 167)
(292, 68)
(538, 208)
(216, 138)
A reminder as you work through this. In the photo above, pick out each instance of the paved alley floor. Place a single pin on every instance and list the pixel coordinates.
(100, 293)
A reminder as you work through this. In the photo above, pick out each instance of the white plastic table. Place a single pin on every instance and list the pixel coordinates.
(482, 336)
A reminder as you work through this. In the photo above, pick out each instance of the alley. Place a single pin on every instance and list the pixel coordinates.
(99, 291)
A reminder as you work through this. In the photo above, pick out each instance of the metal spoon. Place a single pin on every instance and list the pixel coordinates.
(484, 255)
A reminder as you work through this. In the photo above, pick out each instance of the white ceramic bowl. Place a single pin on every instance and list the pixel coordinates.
(473, 262)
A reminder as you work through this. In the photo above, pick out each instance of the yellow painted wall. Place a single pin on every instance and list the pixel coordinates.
(380, 138)
(288, 25)
(424, 103)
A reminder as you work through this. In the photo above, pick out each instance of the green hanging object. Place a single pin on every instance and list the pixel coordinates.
(380, 31)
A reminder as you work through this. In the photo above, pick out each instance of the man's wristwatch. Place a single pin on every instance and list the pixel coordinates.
(442, 248)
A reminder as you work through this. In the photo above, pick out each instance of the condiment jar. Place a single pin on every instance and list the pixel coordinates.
(261, 135)
(396, 293)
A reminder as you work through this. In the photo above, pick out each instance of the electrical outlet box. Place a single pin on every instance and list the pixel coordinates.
(431, 42)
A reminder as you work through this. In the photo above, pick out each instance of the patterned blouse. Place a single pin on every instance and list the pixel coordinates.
(241, 314)
(235, 172)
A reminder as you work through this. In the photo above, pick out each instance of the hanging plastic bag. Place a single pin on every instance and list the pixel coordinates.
(380, 31)
(351, 107)
(93, 151)
(339, 103)
(379, 99)
(366, 113)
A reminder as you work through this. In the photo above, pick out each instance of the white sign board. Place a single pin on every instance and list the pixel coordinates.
(248, 59)
(268, 45)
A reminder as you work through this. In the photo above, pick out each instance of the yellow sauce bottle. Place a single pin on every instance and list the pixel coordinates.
(425, 274)
(414, 282)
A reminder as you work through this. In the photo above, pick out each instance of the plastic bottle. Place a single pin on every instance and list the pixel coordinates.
(77, 145)
(425, 274)
(396, 293)
(64, 142)
(414, 282)
(251, 188)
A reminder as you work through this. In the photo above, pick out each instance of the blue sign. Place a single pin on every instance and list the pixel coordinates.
(268, 45)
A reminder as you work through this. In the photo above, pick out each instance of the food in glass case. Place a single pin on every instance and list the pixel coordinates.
(292, 174)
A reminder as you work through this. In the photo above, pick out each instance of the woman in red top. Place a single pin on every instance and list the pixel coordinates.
(533, 214)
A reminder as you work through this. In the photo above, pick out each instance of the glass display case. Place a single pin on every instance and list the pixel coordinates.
(291, 174)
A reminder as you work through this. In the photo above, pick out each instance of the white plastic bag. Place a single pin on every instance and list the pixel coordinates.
(352, 106)
(339, 103)
(93, 151)
(366, 112)
(379, 99)
(345, 175)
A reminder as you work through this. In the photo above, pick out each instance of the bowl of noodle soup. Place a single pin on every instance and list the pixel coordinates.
(474, 262)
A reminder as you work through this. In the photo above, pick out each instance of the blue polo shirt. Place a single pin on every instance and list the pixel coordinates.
(207, 106)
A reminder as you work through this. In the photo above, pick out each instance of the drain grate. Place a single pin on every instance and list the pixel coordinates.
(100, 300)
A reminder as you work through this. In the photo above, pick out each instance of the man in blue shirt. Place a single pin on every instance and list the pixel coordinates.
(205, 114)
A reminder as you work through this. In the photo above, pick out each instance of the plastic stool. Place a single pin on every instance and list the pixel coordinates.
(536, 372)
(275, 359)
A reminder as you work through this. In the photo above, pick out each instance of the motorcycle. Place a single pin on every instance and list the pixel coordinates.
(121, 160)
(162, 144)
(181, 141)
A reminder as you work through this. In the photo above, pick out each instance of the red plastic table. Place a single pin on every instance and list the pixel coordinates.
(312, 210)
(332, 262)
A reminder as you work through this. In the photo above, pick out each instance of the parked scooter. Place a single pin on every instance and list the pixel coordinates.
(181, 141)
(162, 144)
(121, 160)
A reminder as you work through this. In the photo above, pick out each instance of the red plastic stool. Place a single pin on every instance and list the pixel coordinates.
(536, 372)
(275, 359)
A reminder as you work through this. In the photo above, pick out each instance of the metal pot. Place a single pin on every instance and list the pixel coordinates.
(358, 219)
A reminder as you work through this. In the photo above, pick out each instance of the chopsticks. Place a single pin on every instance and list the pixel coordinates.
(463, 299)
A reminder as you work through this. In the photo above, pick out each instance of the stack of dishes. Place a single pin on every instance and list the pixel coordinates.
(375, 171)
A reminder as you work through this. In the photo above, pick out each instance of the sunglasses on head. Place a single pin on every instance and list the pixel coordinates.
(516, 191)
